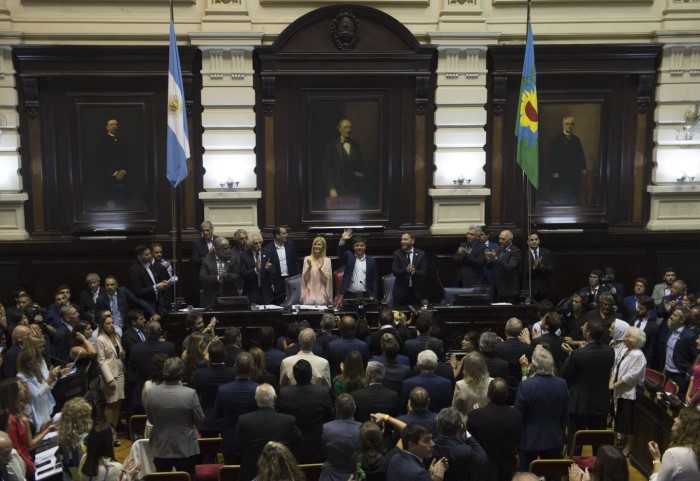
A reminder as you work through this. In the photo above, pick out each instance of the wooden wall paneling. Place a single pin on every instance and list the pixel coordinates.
(62, 87)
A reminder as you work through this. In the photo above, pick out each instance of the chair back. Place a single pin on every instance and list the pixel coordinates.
(338, 279)
(388, 282)
(594, 437)
(211, 446)
(137, 426)
(671, 387)
(229, 472)
(171, 476)
(292, 286)
(654, 380)
(312, 471)
(550, 467)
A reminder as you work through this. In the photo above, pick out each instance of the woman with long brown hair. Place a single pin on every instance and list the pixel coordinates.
(681, 460)
(352, 374)
(110, 356)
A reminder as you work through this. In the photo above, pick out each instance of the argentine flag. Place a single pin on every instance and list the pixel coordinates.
(178, 142)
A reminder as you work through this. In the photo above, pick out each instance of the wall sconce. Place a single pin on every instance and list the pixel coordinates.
(691, 120)
(461, 180)
(229, 184)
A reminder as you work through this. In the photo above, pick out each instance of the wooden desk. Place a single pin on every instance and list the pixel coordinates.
(453, 321)
(652, 422)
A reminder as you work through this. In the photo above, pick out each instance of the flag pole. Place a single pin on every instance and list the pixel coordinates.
(178, 146)
(528, 192)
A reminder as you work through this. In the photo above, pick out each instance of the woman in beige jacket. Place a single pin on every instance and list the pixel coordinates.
(110, 355)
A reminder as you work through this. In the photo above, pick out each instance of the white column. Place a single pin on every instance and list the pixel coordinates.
(675, 180)
(459, 193)
(228, 120)
(12, 198)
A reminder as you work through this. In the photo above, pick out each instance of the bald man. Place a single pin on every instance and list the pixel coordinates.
(11, 465)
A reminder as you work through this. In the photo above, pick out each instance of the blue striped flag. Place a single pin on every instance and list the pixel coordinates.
(178, 141)
(527, 124)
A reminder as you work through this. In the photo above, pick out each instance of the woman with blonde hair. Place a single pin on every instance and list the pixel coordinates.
(472, 388)
(277, 463)
(31, 368)
(110, 356)
(316, 276)
(76, 423)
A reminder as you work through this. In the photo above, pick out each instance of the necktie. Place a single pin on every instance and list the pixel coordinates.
(639, 322)
(257, 264)
(143, 338)
(408, 259)
(115, 310)
(537, 255)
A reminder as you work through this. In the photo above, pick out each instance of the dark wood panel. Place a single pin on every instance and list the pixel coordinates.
(66, 96)
(40, 266)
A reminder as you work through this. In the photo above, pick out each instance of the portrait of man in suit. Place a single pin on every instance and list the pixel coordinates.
(344, 170)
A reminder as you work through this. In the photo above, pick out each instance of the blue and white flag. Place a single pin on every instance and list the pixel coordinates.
(178, 141)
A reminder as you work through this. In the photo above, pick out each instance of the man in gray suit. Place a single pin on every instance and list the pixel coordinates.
(174, 411)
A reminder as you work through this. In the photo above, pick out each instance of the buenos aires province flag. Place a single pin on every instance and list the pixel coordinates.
(526, 125)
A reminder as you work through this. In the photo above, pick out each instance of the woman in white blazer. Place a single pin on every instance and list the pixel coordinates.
(110, 355)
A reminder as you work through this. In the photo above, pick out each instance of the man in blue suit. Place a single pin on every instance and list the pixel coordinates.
(233, 400)
(124, 300)
(470, 259)
(360, 278)
(410, 266)
(631, 303)
(670, 302)
(439, 389)
(505, 262)
(407, 465)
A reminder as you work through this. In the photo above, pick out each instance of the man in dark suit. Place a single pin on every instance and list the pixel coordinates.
(669, 302)
(273, 357)
(311, 406)
(418, 446)
(413, 347)
(113, 296)
(410, 266)
(550, 324)
(256, 428)
(233, 342)
(632, 302)
(375, 398)
(470, 259)
(541, 266)
(149, 281)
(339, 349)
(394, 372)
(234, 399)
(256, 285)
(343, 166)
(323, 338)
(283, 262)
(417, 410)
(219, 273)
(676, 350)
(439, 389)
(176, 414)
(89, 296)
(134, 332)
(585, 372)
(497, 427)
(497, 367)
(141, 355)
(339, 438)
(202, 246)
(646, 321)
(510, 351)
(463, 452)
(506, 263)
(206, 382)
(62, 340)
(360, 278)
